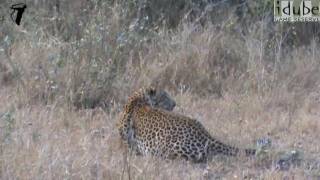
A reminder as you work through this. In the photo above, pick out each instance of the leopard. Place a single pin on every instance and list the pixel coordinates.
(149, 125)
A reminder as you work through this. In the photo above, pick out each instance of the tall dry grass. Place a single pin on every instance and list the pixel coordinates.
(65, 75)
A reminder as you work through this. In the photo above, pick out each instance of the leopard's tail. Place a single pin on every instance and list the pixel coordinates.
(218, 147)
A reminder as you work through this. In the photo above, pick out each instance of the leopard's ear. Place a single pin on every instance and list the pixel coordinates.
(151, 91)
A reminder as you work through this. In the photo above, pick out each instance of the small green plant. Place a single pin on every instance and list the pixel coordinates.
(9, 123)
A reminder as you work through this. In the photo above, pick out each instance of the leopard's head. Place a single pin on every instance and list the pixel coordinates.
(153, 97)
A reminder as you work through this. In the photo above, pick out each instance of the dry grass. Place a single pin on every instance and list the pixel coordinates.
(52, 142)
(63, 84)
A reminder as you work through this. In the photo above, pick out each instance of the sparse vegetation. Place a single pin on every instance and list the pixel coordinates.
(67, 70)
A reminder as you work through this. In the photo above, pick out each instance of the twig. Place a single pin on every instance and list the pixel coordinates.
(13, 67)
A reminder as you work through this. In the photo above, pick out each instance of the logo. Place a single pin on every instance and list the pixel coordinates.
(19, 8)
(296, 10)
